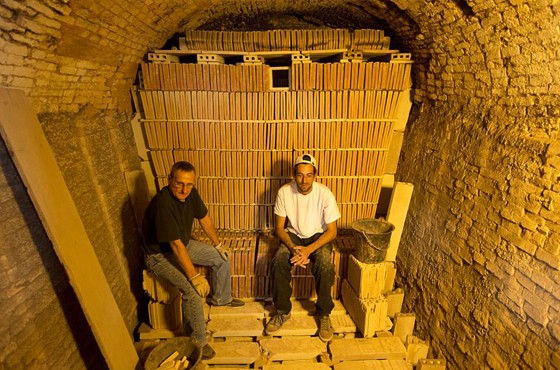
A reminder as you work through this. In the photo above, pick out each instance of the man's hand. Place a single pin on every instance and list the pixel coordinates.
(301, 256)
(200, 284)
(224, 252)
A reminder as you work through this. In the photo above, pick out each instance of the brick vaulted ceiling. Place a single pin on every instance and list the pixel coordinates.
(96, 45)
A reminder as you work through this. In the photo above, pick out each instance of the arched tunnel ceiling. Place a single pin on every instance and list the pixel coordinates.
(104, 40)
(263, 15)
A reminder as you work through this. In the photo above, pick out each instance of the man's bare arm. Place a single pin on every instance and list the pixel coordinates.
(208, 227)
(180, 251)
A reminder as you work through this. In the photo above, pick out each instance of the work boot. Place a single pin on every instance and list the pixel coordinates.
(235, 303)
(208, 352)
(325, 329)
(276, 322)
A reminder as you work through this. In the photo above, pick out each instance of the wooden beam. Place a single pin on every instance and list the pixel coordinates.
(396, 214)
(39, 171)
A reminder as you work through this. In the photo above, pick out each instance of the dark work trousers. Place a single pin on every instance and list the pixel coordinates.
(323, 271)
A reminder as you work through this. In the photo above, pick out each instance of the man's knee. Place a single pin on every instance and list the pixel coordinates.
(323, 256)
(281, 260)
(282, 256)
(322, 263)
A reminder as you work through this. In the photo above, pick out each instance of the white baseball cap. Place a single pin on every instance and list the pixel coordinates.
(306, 159)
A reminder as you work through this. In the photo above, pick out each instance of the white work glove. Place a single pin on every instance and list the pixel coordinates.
(224, 252)
(200, 284)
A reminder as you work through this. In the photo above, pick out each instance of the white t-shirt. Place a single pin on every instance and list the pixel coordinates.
(307, 214)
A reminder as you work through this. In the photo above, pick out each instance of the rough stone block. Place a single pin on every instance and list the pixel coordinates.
(389, 348)
(165, 315)
(157, 289)
(297, 366)
(404, 325)
(395, 300)
(431, 364)
(374, 365)
(235, 353)
(391, 273)
(416, 349)
(343, 324)
(370, 315)
(293, 348)
(383, 333)
(241, 326)
(367, 280)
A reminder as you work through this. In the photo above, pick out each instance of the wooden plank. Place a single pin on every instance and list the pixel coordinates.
(396, 214)
(39, 171)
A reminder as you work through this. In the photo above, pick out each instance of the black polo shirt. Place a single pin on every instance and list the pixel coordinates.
(167, 219)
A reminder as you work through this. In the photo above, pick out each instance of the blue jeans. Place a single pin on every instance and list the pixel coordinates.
(322, 269)
(166, 266)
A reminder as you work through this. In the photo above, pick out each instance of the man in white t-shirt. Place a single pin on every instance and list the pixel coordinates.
(306, 214)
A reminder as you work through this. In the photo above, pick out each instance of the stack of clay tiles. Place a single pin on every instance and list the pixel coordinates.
(242, 131)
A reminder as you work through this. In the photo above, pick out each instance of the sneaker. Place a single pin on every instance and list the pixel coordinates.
(208, 352)
(325, 329)
(235, 303)
(276, 322)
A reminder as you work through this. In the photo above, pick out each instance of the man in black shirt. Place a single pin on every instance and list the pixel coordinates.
(171, 254)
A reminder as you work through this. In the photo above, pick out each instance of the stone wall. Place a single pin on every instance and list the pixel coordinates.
(42, 319)
(480, 254)
(77, 62)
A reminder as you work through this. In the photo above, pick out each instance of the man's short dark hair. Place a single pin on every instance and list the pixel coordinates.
(181, 166)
